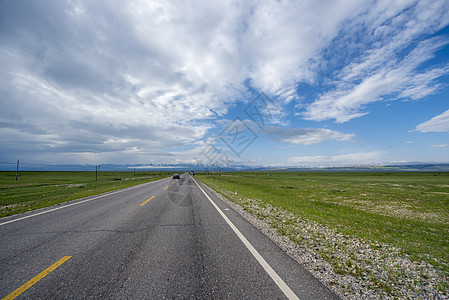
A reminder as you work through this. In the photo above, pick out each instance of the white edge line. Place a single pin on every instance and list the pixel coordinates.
(276, 278)
(76, 203)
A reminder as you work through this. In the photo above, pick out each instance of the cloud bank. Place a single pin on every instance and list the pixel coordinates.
(359, 158)
(136, 81)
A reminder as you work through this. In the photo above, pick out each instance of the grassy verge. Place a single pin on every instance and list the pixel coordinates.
(35, 190)
(407, 211)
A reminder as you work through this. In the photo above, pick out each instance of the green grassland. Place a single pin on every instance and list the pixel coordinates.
(406, 210)
(35, 190)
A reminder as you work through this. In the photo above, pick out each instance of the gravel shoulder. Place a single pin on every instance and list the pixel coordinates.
(352, 268)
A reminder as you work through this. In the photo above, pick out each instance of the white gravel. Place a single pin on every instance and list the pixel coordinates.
(351, 267)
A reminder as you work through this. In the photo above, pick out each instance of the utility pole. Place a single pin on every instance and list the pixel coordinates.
(17, 171)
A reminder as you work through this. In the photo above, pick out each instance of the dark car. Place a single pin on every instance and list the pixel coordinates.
(176, 176)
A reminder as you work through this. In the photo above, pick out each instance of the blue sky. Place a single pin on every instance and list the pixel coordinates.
(275, 83)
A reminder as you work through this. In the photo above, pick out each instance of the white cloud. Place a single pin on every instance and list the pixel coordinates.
(306, 136)
(294, 136)
(283, 40)
(379, 72)
(439, 123)
(345, 103)
(131, 75)
(136, 80)
(348, 159)
(440, 146)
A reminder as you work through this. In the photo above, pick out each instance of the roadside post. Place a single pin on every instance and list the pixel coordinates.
(17, 171)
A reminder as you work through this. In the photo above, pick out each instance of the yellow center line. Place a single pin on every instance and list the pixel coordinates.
(146, 201)
(165, 187)
(35, 279)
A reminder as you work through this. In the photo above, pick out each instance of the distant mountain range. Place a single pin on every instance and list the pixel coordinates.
(406, 167)
(380, 168)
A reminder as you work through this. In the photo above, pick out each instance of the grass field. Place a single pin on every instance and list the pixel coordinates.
(35, 190)
(409, 211)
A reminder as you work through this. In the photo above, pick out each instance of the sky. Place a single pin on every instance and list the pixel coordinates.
(273, 83)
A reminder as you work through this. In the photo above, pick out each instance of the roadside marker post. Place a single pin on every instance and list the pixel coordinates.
(17, 171)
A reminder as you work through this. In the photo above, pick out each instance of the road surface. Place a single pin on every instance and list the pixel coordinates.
(163, 239)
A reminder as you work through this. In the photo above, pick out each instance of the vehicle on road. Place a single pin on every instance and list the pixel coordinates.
(192, 173)
(176, 176)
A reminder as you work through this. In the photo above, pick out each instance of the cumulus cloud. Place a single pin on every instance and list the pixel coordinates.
(283, 40)
(439, 123)
(85, 77)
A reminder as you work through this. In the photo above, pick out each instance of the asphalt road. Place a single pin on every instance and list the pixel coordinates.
(178, 245)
